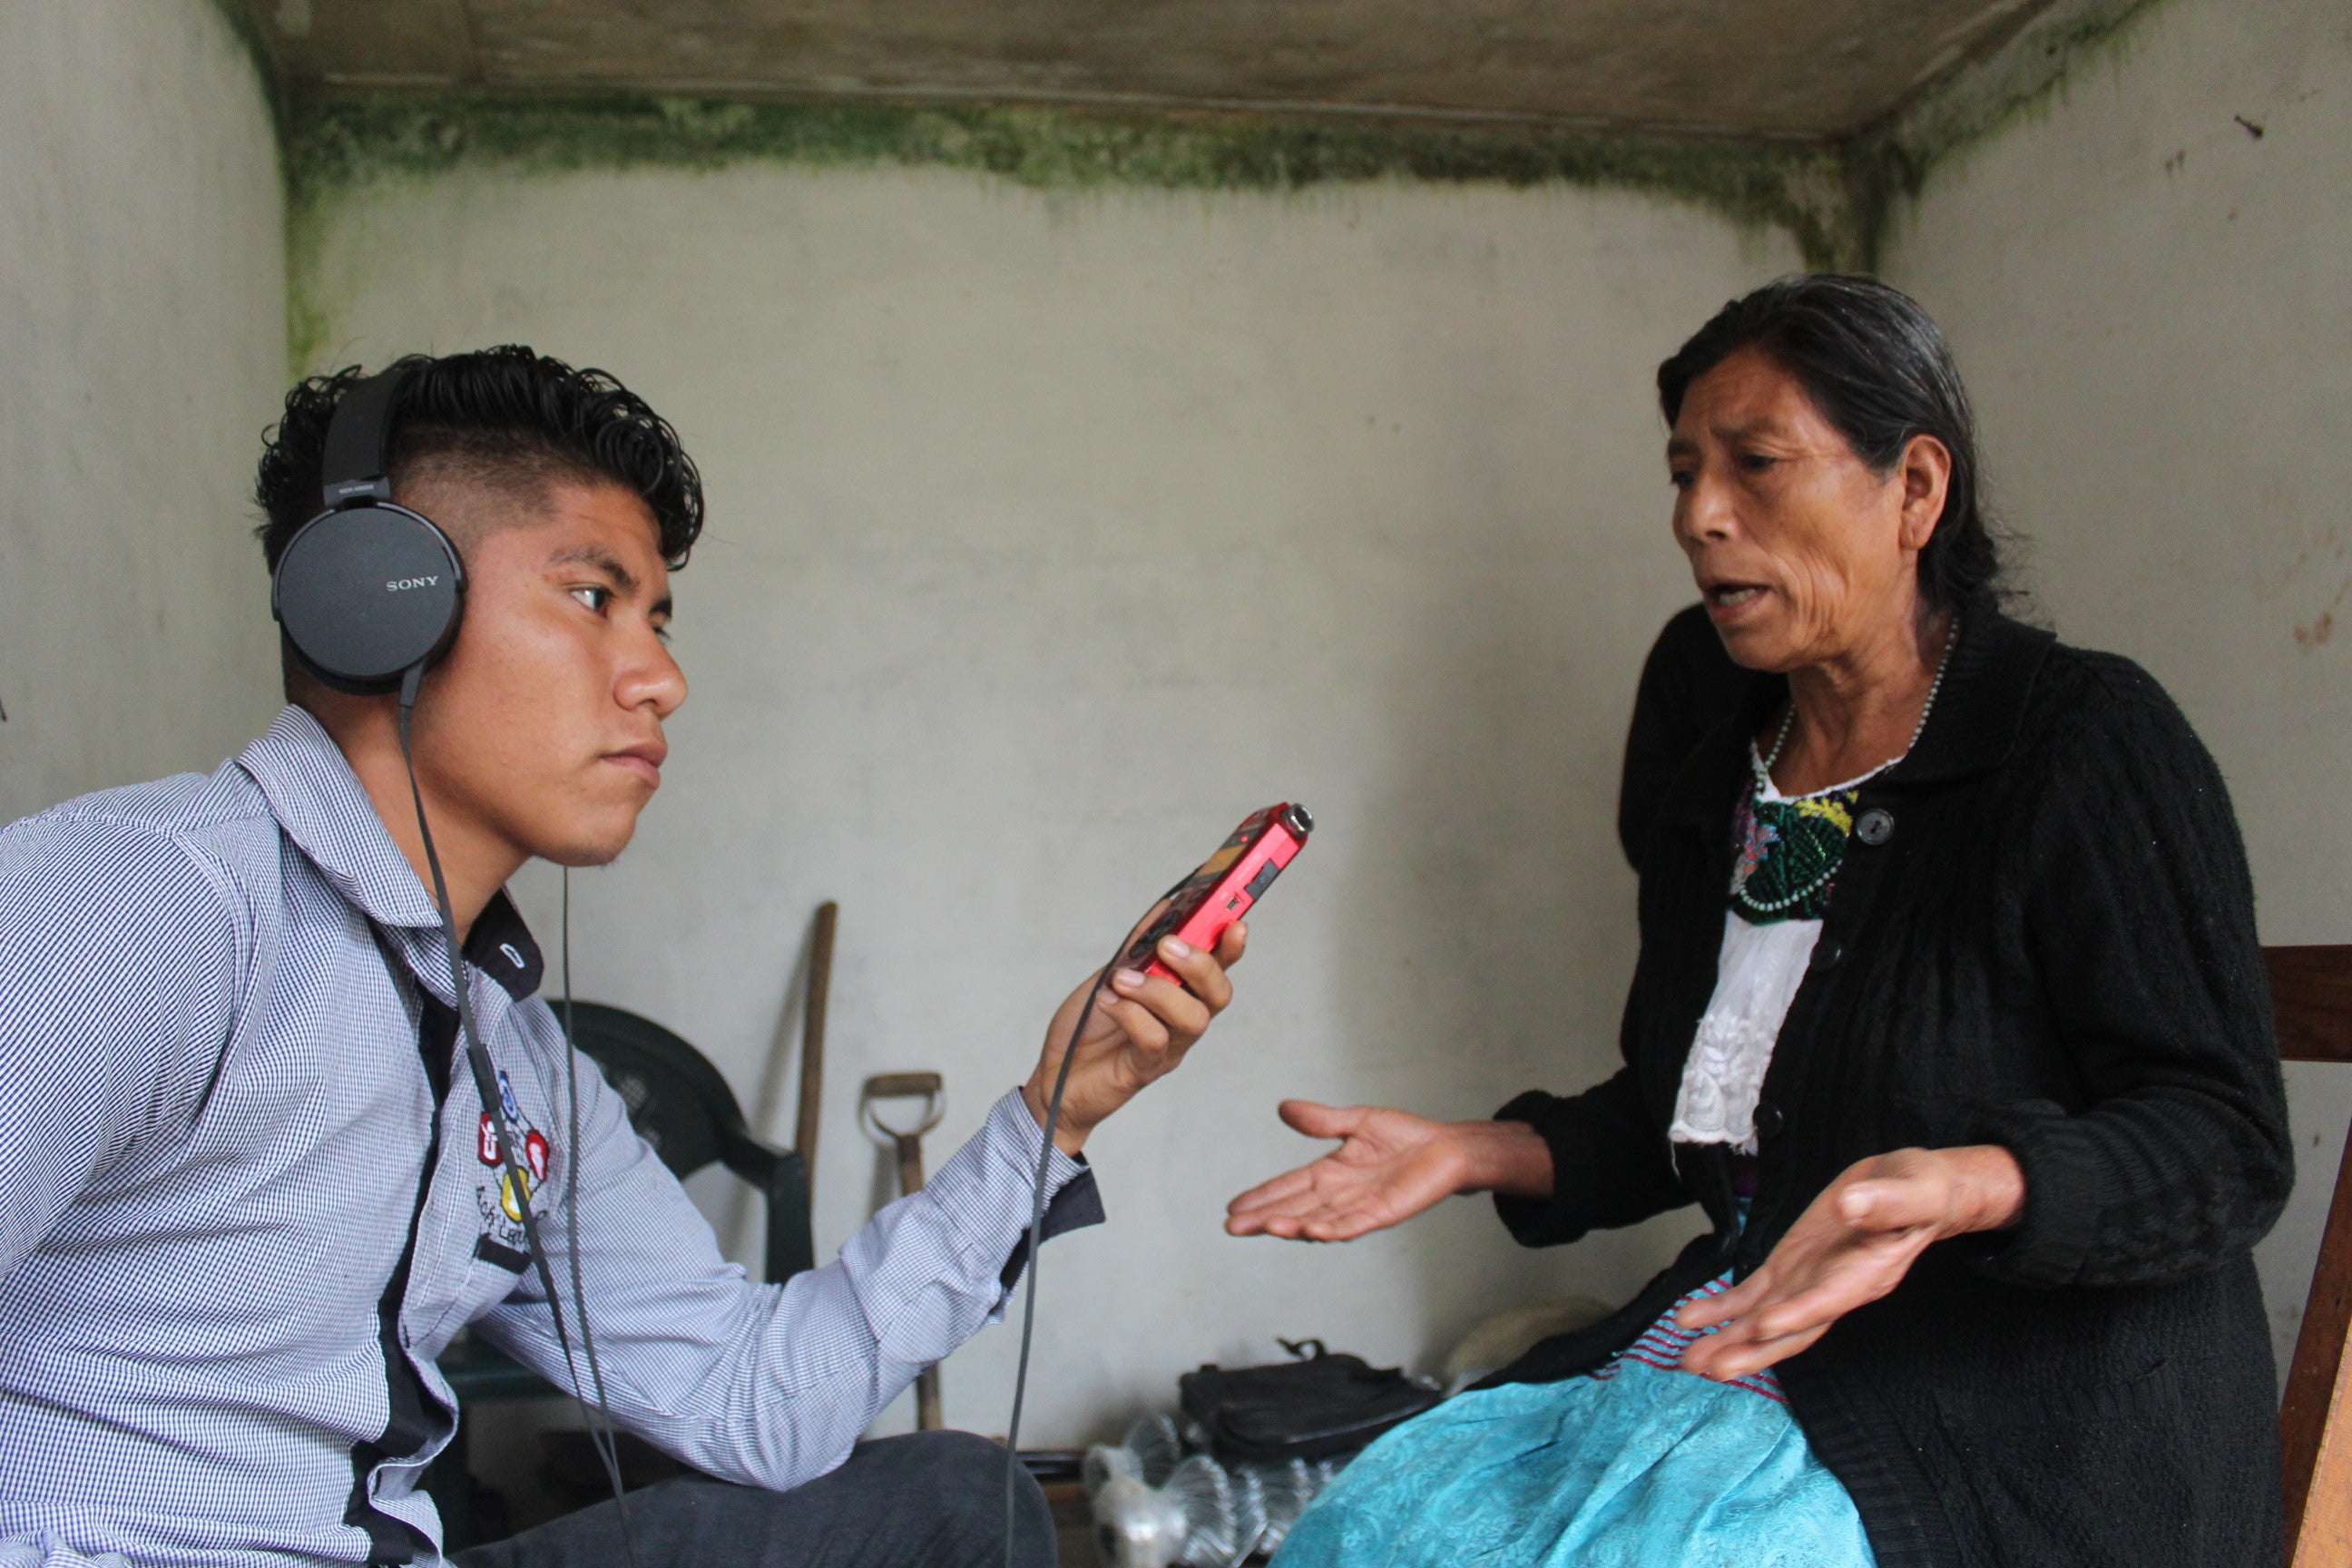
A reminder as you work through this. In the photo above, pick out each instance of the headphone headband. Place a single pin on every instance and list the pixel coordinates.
(359, 440)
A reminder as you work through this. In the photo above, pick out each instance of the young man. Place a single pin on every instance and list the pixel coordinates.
(245, 1200)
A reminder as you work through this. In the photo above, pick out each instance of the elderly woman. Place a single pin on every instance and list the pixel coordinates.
(1949, 1014)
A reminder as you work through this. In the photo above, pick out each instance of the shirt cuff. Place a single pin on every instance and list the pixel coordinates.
(1011, 1139)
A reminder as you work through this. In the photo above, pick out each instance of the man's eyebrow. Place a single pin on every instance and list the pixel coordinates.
(603, 560)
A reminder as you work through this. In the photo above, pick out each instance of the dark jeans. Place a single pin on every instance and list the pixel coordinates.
(931, 1499)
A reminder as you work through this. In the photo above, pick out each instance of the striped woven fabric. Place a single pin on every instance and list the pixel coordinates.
(1662, 1343)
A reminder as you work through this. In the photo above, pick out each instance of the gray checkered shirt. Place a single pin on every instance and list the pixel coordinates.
(236, 1225)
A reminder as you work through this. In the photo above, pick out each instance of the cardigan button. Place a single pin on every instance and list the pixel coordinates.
(1828, 955)
(1768, 1119)
(1874, 827)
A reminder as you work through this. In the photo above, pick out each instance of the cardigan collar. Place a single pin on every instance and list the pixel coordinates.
(1982, 703)
(1973, 728)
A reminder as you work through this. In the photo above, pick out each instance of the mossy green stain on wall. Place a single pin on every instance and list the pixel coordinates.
(1891, 162)
(347, 142)
(343, 146)
(1834, 200)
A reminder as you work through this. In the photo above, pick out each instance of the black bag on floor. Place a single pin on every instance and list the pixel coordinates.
(1314, 1407)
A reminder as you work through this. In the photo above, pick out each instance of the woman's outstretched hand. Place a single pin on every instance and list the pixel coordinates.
(1389, 1166)
(1853, 1246)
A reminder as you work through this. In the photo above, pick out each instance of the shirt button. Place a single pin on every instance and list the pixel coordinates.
(1768, 1119)
(1874, 827)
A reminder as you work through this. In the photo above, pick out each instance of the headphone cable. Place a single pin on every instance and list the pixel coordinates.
(486, 1083)
(599, 1409)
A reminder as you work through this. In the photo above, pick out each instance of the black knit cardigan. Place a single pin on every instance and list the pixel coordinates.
(2053, 949)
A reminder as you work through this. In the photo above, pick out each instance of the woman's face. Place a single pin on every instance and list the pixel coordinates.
(1804, 555)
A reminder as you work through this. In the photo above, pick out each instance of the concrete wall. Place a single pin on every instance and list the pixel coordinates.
(2149, 287)
(1051, 533)
(142, 333)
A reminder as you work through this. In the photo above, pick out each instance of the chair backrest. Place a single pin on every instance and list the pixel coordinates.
(2311, 989)
(679, 1104)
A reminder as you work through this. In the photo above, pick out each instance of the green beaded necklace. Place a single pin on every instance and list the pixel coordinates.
(1789, 850)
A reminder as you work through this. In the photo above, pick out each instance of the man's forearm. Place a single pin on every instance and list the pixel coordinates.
(772, 1387)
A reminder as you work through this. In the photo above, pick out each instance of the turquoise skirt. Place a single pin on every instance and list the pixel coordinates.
(1637, 1464)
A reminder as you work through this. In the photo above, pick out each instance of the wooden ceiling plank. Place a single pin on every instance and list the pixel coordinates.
(1772, 68)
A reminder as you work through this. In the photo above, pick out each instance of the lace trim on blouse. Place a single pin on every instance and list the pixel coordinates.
(1757, 976)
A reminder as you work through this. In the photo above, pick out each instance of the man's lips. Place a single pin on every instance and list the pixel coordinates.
(645, 761)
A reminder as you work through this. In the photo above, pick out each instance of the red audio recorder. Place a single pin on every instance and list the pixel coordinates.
(1228, 883)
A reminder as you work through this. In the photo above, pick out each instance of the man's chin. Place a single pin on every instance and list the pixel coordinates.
(583, 859)
(583, 848)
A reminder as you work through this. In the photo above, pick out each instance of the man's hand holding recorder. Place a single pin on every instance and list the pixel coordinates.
(1164, 988)
(1138, 1032)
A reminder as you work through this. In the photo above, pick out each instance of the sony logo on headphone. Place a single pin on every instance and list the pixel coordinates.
(398, 584)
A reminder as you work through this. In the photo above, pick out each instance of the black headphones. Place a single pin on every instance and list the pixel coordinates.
(366, 591)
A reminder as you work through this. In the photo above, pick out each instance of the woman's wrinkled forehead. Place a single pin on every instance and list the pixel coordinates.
(1749, 396)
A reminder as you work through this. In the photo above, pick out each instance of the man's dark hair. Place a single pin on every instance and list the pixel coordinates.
(1876, 366)
(505, 417)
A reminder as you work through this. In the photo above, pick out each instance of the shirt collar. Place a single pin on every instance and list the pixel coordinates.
(502, 947)
(320, 805)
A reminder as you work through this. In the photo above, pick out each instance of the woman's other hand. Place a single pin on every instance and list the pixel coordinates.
(1389, 1166)
(1853, 1246)
(1138, 1032)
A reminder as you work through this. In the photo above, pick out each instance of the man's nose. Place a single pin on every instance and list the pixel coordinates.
(652, 680)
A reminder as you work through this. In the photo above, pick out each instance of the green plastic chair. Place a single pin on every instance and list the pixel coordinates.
(679, 1104)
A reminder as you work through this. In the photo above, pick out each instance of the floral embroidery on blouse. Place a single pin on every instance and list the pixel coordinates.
(1788, 852)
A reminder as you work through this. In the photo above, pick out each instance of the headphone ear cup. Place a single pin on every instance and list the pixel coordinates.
(367, 593)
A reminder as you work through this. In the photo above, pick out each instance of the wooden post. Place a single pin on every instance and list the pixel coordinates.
(2311, 990)
(2315, 1417)
(820, 989)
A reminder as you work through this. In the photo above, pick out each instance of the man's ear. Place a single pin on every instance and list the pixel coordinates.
(338, 712)
(1927, 475)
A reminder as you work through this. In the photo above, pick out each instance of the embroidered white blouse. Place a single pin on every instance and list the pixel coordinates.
(1756, 978)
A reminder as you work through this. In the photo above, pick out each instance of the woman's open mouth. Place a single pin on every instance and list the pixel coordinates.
(1726, 600)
